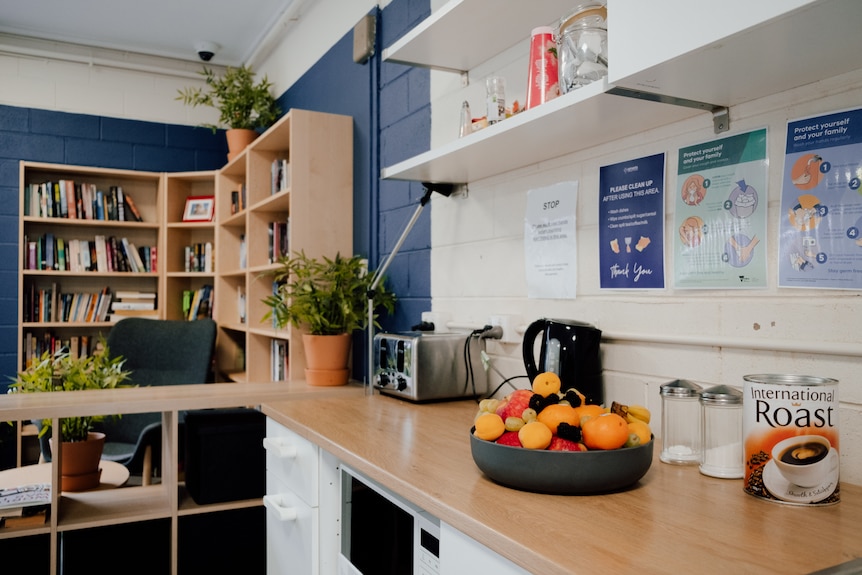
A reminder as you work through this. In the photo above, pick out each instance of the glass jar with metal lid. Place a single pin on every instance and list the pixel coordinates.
(722, 432)
(582, 37)
(681, 422)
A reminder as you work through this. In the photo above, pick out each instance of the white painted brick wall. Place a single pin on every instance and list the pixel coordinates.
(478, 264)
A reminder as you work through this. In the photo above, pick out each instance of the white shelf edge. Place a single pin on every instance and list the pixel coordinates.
(462, 34)
(583, 118)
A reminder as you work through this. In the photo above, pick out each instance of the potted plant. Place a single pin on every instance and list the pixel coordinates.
(81, 445)
(244, 107)
(328, 299)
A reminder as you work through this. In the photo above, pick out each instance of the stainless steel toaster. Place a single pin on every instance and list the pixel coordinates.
(428, 366)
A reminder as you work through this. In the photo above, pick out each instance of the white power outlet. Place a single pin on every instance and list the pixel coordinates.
(509, 324)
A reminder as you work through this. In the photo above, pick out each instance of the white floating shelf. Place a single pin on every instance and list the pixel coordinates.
(581, 119)
(464, 33)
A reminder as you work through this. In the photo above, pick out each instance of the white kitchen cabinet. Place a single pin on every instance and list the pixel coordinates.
(730, 52)
(303, 505)
(463, 555)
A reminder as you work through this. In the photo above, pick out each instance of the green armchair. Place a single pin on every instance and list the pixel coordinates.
(157, 352)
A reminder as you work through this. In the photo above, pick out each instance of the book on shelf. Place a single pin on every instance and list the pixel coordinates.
(240, 303)
(132, 213)
(132, 295)
(197, 303)
(133, 305)
(25, 517)
(278, 354)
(238, 200)
(199, 257)
(278, 240)
(280, 176)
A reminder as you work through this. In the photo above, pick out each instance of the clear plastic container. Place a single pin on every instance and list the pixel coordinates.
(681, 422)
(582, 37)
(722, 432)
(495, 98)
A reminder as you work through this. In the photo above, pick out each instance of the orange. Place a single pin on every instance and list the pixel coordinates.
(590, 410)
(555, 414)
(605, 431)
(546, 383)
(535, 435)
(489, 426)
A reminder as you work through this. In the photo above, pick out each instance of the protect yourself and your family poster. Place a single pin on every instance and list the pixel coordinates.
(821, 203)
(631, 224)
(720, 214)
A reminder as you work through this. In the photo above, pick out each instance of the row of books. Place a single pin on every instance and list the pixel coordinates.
(102, 254)
(199, 257)
(279, 176)
(278, 240)
(238, 200)
(37, 344)
(52, 305)
(279, 356)
(198, 304)
(83, 201)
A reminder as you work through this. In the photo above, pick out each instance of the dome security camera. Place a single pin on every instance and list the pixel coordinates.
(206, 50)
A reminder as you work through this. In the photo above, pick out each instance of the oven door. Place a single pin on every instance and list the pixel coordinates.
(379, 530)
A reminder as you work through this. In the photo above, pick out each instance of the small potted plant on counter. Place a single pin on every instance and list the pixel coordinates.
(82, 447)
(328, 299)
(243, 106)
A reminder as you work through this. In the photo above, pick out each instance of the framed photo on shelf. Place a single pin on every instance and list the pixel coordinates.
(199, 209)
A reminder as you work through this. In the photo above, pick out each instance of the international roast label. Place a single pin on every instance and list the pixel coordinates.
(791, 441)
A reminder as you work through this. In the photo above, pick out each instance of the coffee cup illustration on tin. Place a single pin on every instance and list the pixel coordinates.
(805, 460)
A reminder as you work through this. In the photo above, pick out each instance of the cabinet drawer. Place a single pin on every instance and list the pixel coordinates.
(292, 540)
(293, 460)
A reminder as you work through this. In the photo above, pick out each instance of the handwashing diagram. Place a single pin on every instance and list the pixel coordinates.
(720, 221)
(820, 239)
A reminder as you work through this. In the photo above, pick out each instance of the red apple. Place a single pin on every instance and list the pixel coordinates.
(514, 404)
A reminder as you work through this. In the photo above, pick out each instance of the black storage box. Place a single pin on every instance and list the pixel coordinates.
(224, 455)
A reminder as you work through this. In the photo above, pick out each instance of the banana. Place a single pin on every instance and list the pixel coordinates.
(638, 412)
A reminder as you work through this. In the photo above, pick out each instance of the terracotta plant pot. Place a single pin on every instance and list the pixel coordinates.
(237, 140)
(327, 377)
(327, 358)
(80, 462)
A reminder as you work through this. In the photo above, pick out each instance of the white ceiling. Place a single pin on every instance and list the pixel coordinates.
(164, 28)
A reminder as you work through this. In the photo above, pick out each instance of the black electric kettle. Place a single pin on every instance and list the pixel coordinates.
(571, 350)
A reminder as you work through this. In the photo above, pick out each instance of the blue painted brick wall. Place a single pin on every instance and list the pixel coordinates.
(80, 139)
(405, 131)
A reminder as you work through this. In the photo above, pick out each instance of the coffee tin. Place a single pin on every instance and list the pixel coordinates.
(790, 431)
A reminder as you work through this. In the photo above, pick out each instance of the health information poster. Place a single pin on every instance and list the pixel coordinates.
(550, 246)
(820, 222)
(720, 214)
(631, 224)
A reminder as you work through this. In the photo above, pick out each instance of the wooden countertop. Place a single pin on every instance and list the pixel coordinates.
(674, 520)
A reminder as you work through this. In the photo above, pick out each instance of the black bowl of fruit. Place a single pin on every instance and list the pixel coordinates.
(547, 441)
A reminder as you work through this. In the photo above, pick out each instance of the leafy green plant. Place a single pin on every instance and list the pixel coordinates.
(328, 296)
(61, 372)
(241, 103)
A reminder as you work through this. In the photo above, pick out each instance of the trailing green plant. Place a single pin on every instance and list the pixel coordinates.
(61, 372)
(326, 296)
(240, 102)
